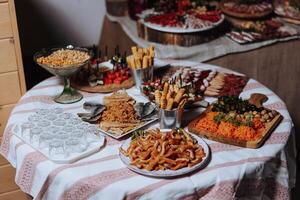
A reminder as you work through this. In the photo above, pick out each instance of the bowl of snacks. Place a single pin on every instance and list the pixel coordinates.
(63, 62)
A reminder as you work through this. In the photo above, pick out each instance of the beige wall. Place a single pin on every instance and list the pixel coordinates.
(72, 21)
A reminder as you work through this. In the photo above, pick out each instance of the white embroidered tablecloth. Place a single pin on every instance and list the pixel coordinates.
(200, 53)
(233, 172)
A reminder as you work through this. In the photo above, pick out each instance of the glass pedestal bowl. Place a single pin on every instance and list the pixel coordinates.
(69, 94)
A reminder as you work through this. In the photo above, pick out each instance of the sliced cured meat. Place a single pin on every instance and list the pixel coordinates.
(243, 10)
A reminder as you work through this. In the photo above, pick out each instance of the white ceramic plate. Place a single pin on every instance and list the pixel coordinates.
(167, 173)
(178, 29)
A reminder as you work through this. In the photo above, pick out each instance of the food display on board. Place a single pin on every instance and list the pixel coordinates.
(182, 16)
(246, 31)
(154, 150)
(247, 9)
(197, 82)
(235, 121)
(289, 10)
(104, 76)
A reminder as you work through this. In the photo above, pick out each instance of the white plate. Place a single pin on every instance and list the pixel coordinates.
(178, 29)
(61, 158)
(167, 173)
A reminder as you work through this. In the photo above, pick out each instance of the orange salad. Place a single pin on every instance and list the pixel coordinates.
(226, 129)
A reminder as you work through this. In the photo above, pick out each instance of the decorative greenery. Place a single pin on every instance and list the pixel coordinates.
(226, 104)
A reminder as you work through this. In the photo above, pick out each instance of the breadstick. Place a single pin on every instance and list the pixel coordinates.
(157, 95)
(170, 93)
(132, 63)
(176, 88)
(146, 52)
(134, 50)
(145, 62)
(163, 103)
(170, 104)
(138, 63)
(165, 90)
(182, 103)
(179, 95)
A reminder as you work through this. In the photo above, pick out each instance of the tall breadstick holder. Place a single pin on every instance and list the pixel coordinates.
(142, 75)
(170, 119)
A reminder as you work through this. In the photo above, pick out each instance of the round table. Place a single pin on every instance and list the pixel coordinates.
(233, 172)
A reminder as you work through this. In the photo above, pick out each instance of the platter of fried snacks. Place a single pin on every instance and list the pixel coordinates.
(123, 115)
(141, 58)
(164, 153)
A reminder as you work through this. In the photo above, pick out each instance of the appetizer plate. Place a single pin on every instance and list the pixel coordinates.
(178, 29)
(167, 173)
(92, 148)
(84, 86)
(116, 136)
(269, 128)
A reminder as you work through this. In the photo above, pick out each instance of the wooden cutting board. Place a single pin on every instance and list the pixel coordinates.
(103, 88)
(256, 99)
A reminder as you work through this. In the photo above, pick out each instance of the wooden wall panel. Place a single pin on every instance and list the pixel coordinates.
(8, 61)
(9, 88)
(4, 114)
(5, 23)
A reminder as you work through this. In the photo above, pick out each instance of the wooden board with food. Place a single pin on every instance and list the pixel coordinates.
(164, 153)
(246, 9)
(183, 17)
(246, 31)
(197, 82)
(104, 77)
(234, 121)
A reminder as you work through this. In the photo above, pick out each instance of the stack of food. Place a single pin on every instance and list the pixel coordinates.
(141, 57)
(157, 150)
(119, 116)
(236, 121)
(251, 21)
(123, 114)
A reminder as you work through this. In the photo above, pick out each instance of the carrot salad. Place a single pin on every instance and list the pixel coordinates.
(230, 130)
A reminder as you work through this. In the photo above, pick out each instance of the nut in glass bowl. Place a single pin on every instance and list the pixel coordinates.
(63, 62)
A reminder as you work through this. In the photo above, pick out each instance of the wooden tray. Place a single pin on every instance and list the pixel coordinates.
(256, 99)
(103, 88)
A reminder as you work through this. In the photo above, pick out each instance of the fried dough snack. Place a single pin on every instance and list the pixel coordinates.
(119, 116)
(172, 150)
(119, 111)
